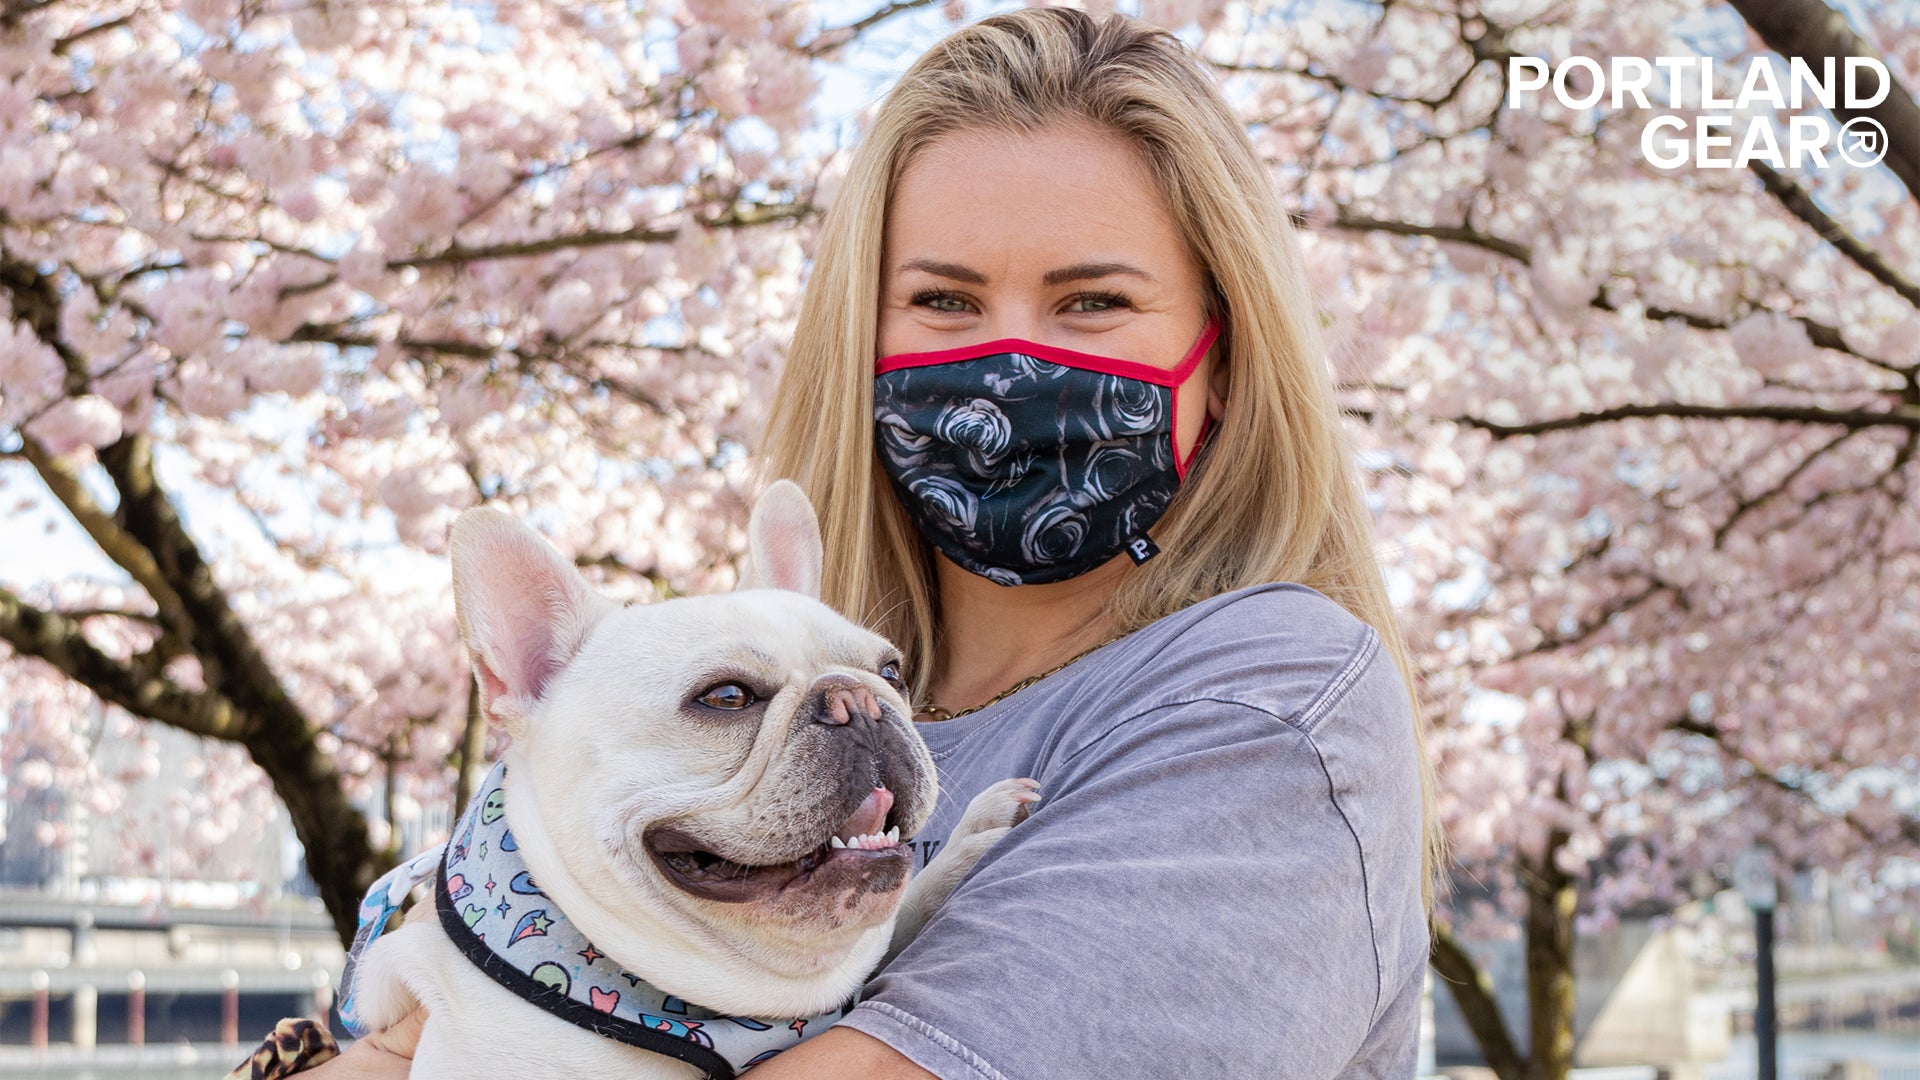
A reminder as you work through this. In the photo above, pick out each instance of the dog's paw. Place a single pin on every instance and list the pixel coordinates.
(1000, 808)
(963, 851)
(989, 817)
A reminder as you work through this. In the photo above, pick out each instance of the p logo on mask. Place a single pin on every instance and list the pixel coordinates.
(1140, 549)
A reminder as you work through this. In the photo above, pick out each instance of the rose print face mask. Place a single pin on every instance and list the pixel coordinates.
(1028, 464)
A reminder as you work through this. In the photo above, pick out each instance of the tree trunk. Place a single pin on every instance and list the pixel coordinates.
(339, 853)
(1814, 32)
(244, 700)
(472, 764)
(1551, 898)
(1473, 993)
(340, 856)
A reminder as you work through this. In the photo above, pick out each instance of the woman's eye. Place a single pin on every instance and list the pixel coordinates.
(944, 302)
(1088, 303)
(890, 671)
(730, 696)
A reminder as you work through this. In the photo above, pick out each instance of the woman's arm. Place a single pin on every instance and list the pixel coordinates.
(834, 1054)
(841, 1053)
(1225, 886)
(384, 1055)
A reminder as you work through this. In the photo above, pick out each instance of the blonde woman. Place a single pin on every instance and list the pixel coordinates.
(1058, 395)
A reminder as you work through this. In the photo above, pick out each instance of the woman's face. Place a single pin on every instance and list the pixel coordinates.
(1059, 236)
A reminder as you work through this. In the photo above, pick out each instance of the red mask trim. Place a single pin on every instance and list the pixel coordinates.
(1182, 464)
(1106, 365)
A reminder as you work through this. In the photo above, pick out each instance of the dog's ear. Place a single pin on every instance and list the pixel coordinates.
(783, 542)
(524, 611)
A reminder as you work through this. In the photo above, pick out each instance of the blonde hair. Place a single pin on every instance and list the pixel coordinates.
(1273, 495)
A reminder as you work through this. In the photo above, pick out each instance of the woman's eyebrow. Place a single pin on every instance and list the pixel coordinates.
(1089, 270)
(944, 269)
(1077, 272)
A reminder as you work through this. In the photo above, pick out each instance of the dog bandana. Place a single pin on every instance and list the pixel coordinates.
(494, 911)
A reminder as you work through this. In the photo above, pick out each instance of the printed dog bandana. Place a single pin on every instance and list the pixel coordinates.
(494, 911)
(1027, 464)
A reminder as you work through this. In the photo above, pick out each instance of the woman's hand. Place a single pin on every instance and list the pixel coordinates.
(380, 1056)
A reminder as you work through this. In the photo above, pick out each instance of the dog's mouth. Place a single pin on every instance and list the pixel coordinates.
(865, 851)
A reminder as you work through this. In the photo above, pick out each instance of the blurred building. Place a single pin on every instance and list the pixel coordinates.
(1674, 987)
(123, 936)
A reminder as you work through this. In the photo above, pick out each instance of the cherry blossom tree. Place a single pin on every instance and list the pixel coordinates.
(288, 286)
(1644, 440)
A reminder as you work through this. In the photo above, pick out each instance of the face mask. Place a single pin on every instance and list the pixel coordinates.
(1028, 464)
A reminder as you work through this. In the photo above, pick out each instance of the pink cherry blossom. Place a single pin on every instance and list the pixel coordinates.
(1639, 442)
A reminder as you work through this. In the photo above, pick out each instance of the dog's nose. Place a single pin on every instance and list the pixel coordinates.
(841, 699)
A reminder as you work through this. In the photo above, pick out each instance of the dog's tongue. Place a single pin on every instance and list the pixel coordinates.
(871, 817)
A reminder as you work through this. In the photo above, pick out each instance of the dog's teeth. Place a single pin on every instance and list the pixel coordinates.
(873, 841)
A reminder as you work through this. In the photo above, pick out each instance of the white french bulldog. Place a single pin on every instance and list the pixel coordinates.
(693, 853)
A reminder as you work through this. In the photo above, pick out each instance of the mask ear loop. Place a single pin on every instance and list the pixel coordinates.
(1206, 429)
(1191, 364)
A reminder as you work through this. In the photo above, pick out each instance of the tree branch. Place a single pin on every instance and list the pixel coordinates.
(662, 587)
(339, 337)
(66, 44)
(36, 301)
(11, 14)
(126, 551)
(1340, 85)
(1746, 504)
(1457, 234)
(83, 614)
(738, 217)
(1901, 417)
(455, 254)
(1801, 205)
(1818, 333)
(1908, 827)
(57, 639)
(834, 39)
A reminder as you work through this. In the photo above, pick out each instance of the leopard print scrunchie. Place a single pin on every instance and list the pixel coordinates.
(294, 1046)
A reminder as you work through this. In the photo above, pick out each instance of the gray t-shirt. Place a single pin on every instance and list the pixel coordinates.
(1222, 877)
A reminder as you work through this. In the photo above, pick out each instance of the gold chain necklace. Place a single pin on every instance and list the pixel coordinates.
(932, 712)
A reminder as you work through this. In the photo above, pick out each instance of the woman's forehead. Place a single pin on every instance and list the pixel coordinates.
(1002, 203)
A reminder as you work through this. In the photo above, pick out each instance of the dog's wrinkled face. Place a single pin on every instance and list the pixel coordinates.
(744, 760)
(749, 750)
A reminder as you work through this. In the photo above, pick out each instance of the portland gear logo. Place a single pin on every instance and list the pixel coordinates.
(1780, 119)
(1863, 142)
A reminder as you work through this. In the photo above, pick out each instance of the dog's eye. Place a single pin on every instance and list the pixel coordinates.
(890, 671)
(731, 696)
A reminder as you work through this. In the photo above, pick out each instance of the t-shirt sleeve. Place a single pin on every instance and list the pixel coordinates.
(1192, 897)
